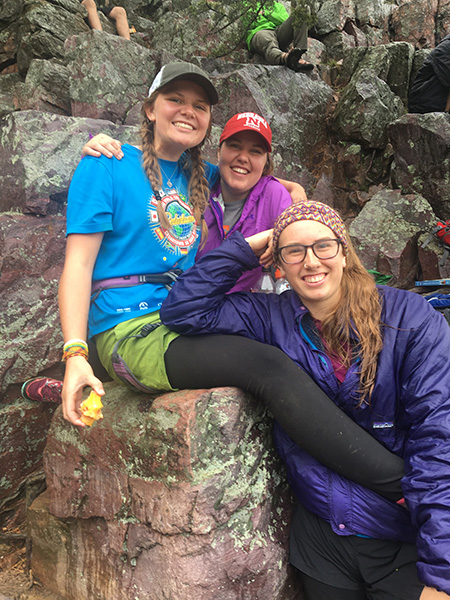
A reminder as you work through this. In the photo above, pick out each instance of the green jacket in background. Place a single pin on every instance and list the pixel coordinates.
(267, 20)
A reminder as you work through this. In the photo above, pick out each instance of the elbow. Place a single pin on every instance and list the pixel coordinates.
(177, 320)
(167, 316)
(172, 318)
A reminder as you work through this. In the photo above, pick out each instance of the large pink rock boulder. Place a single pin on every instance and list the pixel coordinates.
(183, 498)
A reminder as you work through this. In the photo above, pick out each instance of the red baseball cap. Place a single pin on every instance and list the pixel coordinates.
(248, 121)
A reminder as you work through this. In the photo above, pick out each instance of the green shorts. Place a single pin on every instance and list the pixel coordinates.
(144, 356)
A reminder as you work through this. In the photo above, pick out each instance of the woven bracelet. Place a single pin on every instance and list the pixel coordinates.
(75, 351)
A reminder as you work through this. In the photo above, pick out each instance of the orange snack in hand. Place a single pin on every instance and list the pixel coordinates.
(91, 409)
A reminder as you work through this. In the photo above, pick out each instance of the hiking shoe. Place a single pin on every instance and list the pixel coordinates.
(293, 57)
(42, 389)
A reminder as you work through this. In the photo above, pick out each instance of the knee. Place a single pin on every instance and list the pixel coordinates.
(118, 12)
(262, 40)
(89, 5)
(269, 359)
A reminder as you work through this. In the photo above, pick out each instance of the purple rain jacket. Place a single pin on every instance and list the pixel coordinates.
(264, 203)
(409, 411)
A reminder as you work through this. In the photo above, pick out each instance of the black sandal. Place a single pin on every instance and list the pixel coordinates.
(304, 67)
(293, 57)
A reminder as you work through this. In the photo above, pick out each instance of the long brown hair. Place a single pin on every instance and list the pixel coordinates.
(268, 167)
(358, 314)
(358, 311)
(193, 165)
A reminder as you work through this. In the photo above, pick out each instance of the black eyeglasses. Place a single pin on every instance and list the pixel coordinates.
(296, 253)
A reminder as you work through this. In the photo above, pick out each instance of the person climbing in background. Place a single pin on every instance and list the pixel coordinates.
(132, 226)
(117, 14)
(383, 356)
(271, 33)
(430, 91)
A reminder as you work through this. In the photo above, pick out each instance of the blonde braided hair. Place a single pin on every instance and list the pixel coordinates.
(198, 187)
(193, 165)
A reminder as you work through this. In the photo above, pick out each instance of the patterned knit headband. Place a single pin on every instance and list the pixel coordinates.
(310, 211)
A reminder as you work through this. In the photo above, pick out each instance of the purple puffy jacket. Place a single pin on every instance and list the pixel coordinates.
(409, 411)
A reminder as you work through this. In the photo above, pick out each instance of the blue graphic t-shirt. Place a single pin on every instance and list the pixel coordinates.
(115, 197)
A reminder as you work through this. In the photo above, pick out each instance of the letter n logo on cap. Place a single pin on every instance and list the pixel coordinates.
(253, 120)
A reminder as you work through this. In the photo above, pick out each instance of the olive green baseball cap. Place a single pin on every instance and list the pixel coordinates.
(184, 70)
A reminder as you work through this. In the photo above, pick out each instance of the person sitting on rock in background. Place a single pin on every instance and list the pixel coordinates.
(132, 226)
(430, 91)
(246, 198)
(116, 13)
(383, 356)
(271, 34)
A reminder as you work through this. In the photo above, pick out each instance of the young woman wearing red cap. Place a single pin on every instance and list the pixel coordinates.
(246, 198)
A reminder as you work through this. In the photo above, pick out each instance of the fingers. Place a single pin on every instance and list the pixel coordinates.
(89, 151)
(266, 258)
(73, 418)
(103, 144)
(113, 148)
(78, 375)
(259, 242)
(298, 194)
(98, 387)
(71, 401)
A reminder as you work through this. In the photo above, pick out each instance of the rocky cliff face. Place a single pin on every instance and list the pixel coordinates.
(182, 500)
(342, 131)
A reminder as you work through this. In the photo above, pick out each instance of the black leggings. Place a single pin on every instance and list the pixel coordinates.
(315, 590)
(302, 409)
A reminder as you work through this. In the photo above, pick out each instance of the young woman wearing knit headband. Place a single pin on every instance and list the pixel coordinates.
(383, 356)
(131, 229)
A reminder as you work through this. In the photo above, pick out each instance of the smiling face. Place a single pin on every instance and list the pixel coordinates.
(316, 281)
(242, 158)
(181, 114)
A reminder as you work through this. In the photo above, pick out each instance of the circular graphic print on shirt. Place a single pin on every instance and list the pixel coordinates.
(183, 233)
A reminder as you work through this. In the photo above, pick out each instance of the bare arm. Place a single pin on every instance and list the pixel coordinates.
(296, 190)
(103, 144)
(74, 298)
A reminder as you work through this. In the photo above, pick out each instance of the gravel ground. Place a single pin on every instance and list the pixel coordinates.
(15, 582)
(16, 585)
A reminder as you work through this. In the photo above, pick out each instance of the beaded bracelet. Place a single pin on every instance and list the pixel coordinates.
(76, 342)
